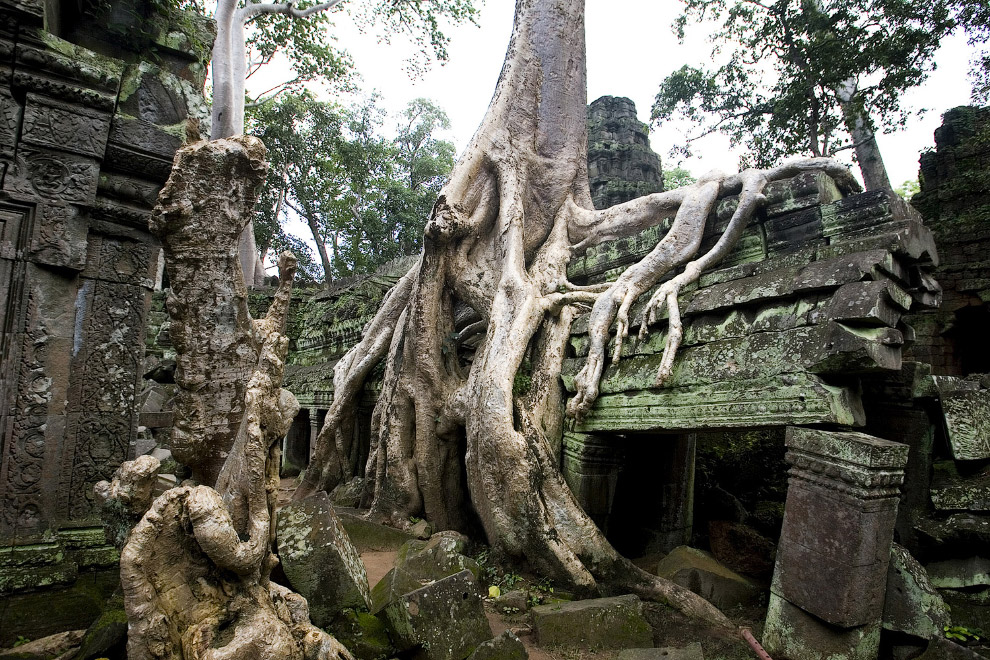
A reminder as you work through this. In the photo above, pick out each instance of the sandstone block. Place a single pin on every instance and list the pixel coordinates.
(319, 559)
(912, 605)
(704, 575)
(421, 562)
(444, 620)
(598, 623)
(504, 647)
(741, 548)
(790, 632)
(692, 651)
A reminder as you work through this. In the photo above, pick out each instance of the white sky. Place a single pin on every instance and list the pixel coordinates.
(631, 48)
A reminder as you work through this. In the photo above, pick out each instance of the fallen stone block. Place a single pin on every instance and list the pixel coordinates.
(941, 648)
(790, 632)
(107, 636)
(704, 575)
(444, 620)
(364, 635)
(692, 651)
(912, 605)
(598, 623)
(319, 559)
(420, 562)
(504, 647)
(367, 535)
(741, 548)
(959, 573)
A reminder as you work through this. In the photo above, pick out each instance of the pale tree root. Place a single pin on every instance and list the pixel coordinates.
(676, 247)
(195, 569)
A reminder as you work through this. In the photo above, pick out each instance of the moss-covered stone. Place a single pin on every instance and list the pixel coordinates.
(362, 633)
(598, 623)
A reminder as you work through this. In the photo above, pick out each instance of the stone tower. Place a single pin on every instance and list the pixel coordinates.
(621, 165)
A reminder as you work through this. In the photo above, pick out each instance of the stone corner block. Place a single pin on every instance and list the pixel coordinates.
(319, 559)
(444, 620)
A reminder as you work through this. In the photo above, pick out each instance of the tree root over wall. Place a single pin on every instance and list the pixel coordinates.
(453, 440)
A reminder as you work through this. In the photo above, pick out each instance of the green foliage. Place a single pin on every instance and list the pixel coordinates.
(365, 198)
(21, 641)
(962, 634)
(421, 21)
(776, 92)
(677, 177)
(307, 46)
(908, 189)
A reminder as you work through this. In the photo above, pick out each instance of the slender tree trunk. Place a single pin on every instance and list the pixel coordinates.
(867, 151)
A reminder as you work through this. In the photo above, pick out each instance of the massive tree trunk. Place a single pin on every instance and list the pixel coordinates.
(493, 275)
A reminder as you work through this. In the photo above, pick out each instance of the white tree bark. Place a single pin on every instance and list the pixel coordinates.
(229, 62)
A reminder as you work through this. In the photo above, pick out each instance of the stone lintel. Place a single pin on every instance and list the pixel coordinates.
(774, 401)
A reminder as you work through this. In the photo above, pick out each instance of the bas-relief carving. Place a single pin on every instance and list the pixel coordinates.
(10, 122)
(110, 327)
(34, 429)
(48, 123)
(53, 175)
(59, 237)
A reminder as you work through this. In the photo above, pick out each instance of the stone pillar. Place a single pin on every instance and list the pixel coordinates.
(314, 430)
(677, 494)
(591, 469)
(296, 445)
(826, 599)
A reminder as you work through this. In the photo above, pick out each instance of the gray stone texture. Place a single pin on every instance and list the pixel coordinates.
(692, 651)
(704, 575)
(444, 620)
(504, 647)
(912, 605)
(792, 633)
(838, 525)
(77, 265)
(598, 623)
(420, 562)
(944, 649)
(621, 165)
(319, 560)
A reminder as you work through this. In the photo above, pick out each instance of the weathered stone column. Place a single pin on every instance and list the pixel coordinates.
(591, 469)
(826, 599)
(314, 430)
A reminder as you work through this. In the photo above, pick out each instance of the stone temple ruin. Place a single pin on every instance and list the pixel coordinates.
(846, 331)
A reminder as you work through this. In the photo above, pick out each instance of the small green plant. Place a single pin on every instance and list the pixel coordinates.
(962, 634)
(509, 580)
(21, 641)
(414, 519)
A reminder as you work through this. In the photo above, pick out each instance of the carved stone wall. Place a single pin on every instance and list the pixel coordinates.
(86, 141)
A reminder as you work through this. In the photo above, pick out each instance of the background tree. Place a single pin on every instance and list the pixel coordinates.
(364, 197)
(453, 440)
(807, 76)
(676, 177)
(249, 33)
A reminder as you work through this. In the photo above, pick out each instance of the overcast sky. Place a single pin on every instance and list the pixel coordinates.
(631, 48)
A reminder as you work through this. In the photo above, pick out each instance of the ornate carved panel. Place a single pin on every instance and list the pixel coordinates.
(53, 175)
(48, 123)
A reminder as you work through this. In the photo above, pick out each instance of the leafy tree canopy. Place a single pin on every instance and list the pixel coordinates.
(365, 197)
(677, 177)
(787, 62)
